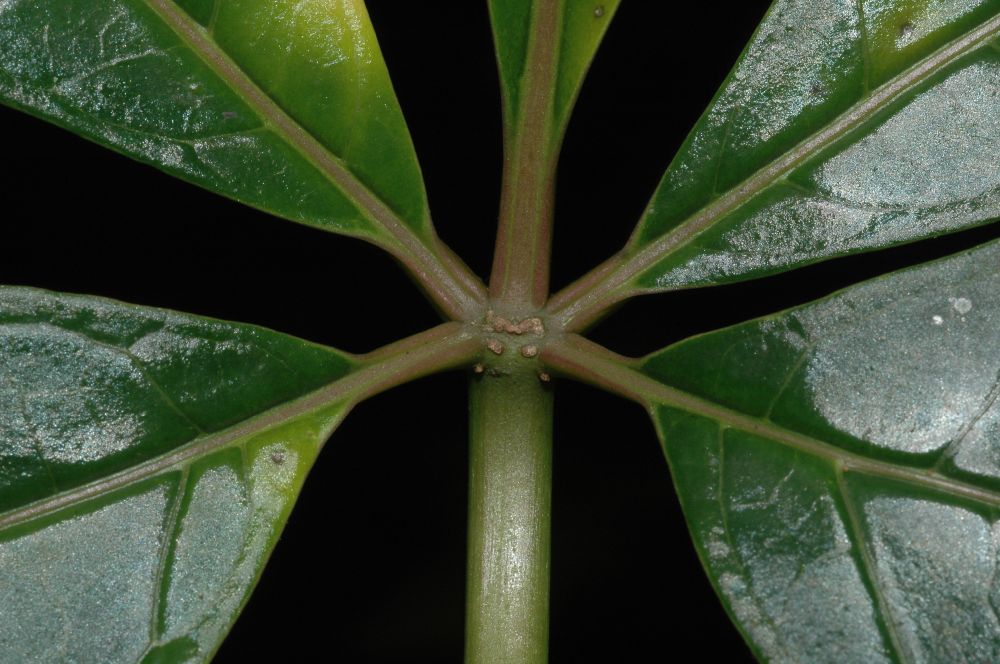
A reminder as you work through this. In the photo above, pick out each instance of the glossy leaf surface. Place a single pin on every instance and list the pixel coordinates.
(846, 126)
(578, 27)
(838, 466)
(284, 105)
(144, 473)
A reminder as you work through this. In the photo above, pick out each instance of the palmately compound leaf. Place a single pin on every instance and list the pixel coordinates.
(148, 462)
(285, 105)
(847, 125)
(838, 467)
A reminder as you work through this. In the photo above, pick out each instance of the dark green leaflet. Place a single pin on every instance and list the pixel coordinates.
(139, 487)
(841, 121)
(846, 126)
(219, 107)
(838, 466)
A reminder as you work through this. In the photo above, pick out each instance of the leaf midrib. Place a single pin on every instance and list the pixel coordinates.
(521, 267)
(436, 349)
(195, 448)
(305, 143)
(571, 305)
(591, 363)
(867, 569)
(415, 250)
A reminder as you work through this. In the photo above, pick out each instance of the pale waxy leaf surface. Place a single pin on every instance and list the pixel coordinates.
(284, 105)
(580, 25)
(148, 462)
(839, 467)
(847, 125)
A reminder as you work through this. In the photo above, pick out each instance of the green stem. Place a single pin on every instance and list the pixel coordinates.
(510, 501)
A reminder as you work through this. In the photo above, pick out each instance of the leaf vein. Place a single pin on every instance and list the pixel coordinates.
(143, 369)
(952, 448)
(170, 528)
(867, 568)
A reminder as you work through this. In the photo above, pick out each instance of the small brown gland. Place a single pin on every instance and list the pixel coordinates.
(529, 351)
(544, 377)
(277, 458)
(533, 326)
(503, 325)
(495, 346)
(498, 323)
(478, 368)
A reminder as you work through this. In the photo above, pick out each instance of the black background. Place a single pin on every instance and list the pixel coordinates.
(371, 565)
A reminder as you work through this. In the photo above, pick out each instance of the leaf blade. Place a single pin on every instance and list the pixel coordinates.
(134, 365)
(114, 415)
(805, 152)
(836, 463)
(905, 485)
(287, 108)
(779, 141)
(145, 79)
(187, 570)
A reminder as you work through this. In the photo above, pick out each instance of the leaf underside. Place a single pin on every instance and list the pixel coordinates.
(285, 105)
(847, 125)
(837, 463)
(841, 474)
(139, 484)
